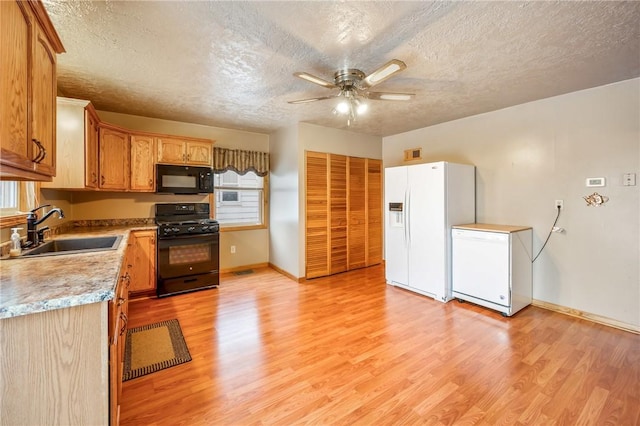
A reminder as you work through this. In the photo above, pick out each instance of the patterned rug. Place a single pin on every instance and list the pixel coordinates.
(154, 347)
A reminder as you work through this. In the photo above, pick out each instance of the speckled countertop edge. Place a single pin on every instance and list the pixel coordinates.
(32, 285)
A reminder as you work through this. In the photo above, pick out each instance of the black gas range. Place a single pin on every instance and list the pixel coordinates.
(188, 248)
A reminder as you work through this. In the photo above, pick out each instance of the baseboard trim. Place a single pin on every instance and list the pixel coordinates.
(587, 316)
(244, 268)
(286, 274)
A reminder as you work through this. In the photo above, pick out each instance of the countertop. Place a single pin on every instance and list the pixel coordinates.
(507, 229)
(32, 285)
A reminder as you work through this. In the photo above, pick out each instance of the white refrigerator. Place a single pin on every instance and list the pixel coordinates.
(422, 202)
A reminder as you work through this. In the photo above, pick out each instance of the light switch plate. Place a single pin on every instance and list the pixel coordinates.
(629, 179)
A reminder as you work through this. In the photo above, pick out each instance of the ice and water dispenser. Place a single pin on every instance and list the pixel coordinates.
(396, 217)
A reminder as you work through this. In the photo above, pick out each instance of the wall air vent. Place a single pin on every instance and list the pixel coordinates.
(413, 154)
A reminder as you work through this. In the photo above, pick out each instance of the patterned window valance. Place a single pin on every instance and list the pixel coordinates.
(240, 161)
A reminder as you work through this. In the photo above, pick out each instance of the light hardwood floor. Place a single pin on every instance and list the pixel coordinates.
(350, 350)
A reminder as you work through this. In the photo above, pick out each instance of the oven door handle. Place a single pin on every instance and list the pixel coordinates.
(183, 240)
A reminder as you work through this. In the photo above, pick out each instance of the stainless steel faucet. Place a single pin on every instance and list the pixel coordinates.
(34, 235)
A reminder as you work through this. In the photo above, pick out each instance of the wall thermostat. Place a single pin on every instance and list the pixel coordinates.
(597, 181)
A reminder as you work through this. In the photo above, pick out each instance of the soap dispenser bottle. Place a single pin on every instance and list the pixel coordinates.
(16, 248)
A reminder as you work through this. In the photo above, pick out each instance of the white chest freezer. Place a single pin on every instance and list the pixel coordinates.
(491, 266)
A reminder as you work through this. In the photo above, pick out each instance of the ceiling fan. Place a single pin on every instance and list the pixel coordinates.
(353, 86)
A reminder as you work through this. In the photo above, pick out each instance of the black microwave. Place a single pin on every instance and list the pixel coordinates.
(171, 179)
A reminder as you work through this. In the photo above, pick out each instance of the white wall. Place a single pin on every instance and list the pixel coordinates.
(283, 194)
(529, 155)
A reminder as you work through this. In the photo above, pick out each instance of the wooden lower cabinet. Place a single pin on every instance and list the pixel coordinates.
(343, 213)
(143, 262)
(118, 311)
(54, 367)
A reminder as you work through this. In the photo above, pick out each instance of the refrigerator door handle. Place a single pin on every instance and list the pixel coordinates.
(407, 227)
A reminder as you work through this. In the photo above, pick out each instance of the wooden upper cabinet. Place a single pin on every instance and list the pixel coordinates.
(92, 135)
(143, 150)
(184, 151)
(44, 111)
(28, 48)
(76, 146)
(15, 42)
(113, 151)
(200, 153)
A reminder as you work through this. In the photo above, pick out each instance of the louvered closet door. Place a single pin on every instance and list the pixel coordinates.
(317, 246)
(374, 212)
(339, 222)
(357, 212)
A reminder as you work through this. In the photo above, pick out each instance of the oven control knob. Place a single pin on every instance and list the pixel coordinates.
(205, 228)
(191, 228)
(176, 230)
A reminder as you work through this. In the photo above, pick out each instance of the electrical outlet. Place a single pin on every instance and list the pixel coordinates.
(560, 204)
(233, 249)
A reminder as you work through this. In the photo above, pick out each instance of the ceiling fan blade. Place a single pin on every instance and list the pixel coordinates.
(383, 73)
(304, 101)
(390, 96)
(313, 79)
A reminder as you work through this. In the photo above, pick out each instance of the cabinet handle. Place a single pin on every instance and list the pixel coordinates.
(101, 179)
(121, 301)
(124, 319)
(184, 157)
(94, 177)
(41, 151)
(127, 279)
(188, 157)
(150, 182)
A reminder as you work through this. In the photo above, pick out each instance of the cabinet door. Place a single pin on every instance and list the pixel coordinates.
(374, 212)
(114, 159)
(91, 149)
(318, 244)
(44, 103)
(171, 151)
(357, 212)
(143, 276)
(199, 153)
(142, 163)
(338, 203)
(15, 50)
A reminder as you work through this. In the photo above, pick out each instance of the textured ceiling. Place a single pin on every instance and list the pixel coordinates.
(230, 64)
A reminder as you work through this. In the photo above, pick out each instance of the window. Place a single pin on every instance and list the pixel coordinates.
(240, 199)
(16, 198)
(9, 197)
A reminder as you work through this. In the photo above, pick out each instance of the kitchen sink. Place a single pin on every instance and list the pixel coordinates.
(74, 246)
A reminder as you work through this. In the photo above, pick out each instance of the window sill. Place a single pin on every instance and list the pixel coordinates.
(9, 221)
(233, 228)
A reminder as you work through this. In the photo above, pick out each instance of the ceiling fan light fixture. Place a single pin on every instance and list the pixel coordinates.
(361, 108)
(342, 107)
